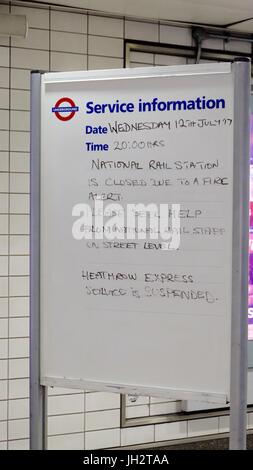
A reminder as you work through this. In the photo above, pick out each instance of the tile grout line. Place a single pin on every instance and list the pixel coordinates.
(88, 28)
(50, 38)
(84, 420)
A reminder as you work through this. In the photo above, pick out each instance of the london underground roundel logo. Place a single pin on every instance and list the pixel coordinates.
(65, 109)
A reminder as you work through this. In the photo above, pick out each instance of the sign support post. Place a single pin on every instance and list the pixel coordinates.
(239, 325)
(37, 391)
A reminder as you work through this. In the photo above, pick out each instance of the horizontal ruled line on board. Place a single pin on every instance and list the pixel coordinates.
(157, 311)
(174, 201)
(196, 250)
(179, 251)
(160, 283)
(170, 265)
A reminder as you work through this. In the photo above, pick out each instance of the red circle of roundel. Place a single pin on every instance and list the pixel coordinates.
(58, 104)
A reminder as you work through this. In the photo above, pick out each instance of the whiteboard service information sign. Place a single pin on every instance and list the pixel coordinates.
(136, 230)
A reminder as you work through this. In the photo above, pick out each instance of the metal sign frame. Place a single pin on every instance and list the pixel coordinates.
(239, 326)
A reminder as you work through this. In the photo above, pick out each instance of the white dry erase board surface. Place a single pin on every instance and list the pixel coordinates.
(130, 315)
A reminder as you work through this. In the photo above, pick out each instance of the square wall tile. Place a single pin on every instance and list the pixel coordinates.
(140, 400)
(3, 430)
(20, 100)
(66, 442)
(201, 427)
(67, 21)
(3, 351)
(61, 61)
(137, 411)
(3, 266)
(4, 77)
(19, 347)
(3, 328)
(20, 141)
(165, 408)
(3, 388)
(169, 60)
(29, 59)
(105, 26)
(4, 219)
(19, 306)
(20, 162)
(37, 17)
(19, 203)
(4, 98)
(19, 286)
(65, 424)
(4, 203)
(19, 408)
(213, 43)
(19, 265)
(3, 246)
(20, 444)
(3, 411)
(3, 312)
(102, 420)
(175, 35)
(144, 57)
(4, 184)
(4, 41)
(20, 79)
(110, 47)
(3, 369)
(170, 431)
(223, 423)
(18, 368)
(18, 429)
(141, 30)
(68, 42)
(103, 63)
(4, 161)
(4, 119)
(137, 435)
(19, 224)
(3, 286)
(101, 401)
(102, 439)
(250, 420)
(36, 39)
(58, 405)
(238, 46)
(18, 388)
(19, 327)
(19, 244)
(4, 141)
(20, 121)
(4, 56)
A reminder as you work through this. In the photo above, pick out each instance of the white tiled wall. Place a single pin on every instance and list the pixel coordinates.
(62, 40)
